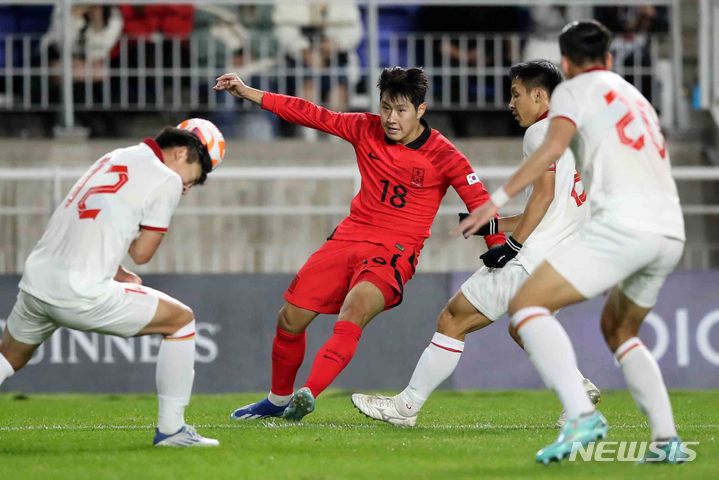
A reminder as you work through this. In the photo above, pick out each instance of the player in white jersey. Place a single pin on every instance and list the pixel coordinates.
(633, 241)
(73, 278)
(555, 209)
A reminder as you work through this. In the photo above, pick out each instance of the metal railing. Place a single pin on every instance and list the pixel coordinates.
(151, 73)
(161, 74)
(234, 226)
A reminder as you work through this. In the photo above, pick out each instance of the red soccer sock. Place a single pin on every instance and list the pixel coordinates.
(334, 356)
(288, 351)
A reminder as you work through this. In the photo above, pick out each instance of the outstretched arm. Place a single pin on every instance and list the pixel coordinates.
(470, 189)
(295, 109)
(560, 134)
(522, 225)
(539, 201)
(536, 208)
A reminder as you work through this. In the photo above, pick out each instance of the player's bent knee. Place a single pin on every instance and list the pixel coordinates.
(288, 321)
(181, 315)
(458, 325)
(356, 313)
(169, 318)
(186, 332)
(445, 323)
(186, 316)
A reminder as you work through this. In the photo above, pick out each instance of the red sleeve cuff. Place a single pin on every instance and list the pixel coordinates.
(154, 229)
(495, 240)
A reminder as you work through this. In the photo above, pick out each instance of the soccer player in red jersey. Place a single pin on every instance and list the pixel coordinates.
(406, 169)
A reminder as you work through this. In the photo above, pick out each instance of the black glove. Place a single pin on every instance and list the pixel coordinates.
(487, 229)
(498, 257)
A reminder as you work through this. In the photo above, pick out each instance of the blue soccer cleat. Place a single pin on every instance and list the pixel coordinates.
(667, 451)
(582, 431)
(186, 436)
(301, 404)
(258, 410)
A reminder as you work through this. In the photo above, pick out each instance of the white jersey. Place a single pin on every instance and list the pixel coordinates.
(92, 229)
(621, 153)
(568, 209)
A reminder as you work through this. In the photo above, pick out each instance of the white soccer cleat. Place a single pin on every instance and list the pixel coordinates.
(186, 436)
(595, 396)
(383, 408)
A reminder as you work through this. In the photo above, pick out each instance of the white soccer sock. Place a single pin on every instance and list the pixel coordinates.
(279, 400)
(646, 384)
(174, 375)
(6, 370)
(551, 352)
(436, 364)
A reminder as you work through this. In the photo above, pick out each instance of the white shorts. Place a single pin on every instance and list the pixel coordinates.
(489, 290)
(124, 311)
(604, 254)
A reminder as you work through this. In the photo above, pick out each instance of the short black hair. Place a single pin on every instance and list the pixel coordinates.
(196, 151)
(537, 74)
(398, 82)
(585, 41)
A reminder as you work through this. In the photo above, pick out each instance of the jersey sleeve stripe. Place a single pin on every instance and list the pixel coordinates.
(154, 229)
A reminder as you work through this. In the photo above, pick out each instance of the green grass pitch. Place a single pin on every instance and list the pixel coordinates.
(459, 435)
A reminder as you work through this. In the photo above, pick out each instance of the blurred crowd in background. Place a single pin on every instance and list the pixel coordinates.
(328, 37)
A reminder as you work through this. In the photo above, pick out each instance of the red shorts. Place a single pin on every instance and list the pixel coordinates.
(329, 274)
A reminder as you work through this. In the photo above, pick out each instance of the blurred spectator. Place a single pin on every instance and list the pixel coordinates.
(257, 19)
(218, 29)
(156, 20)
(239, 37)
(545, 24)
(242, 40)
(157, 38)
(449, 24)
(319, 36)
(633, 27)
(94, 30)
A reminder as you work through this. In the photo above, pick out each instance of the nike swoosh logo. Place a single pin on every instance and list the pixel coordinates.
(373, 156)
(500, 258)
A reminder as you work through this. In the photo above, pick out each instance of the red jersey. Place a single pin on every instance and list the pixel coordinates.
(402, 185)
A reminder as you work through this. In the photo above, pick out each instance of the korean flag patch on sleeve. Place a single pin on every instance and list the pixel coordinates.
(472, 178)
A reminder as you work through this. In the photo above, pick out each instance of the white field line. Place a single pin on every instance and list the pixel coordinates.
(331, 426)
